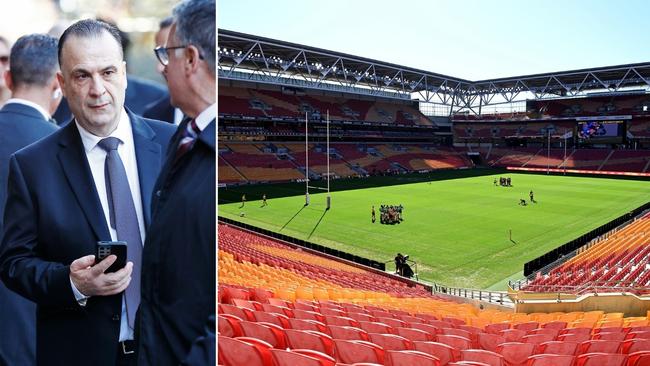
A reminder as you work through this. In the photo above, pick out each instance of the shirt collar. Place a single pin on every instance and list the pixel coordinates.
(40, 109)
(121, 132)
(204, 118)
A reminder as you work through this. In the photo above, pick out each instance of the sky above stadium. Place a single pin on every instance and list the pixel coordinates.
(469, 39)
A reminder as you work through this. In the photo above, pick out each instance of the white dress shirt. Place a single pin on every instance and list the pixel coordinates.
(96, 157)
(204, 118)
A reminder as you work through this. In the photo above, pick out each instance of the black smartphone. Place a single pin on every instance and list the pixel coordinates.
(106, 248)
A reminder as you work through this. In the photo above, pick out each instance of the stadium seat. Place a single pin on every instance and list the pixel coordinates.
(638, 335)
(526, 327)
(551, 331)
(457, 342)
(376, 327)
(537, 338)
(340, 320)
(613, 336)
(457, 332)
(291, 358)
(559, 325)
(347, 351)
(241, 313)
(349, 333)
(574, 337)
(592, 346)
(515, 353)
(426, 327)
(486, 357)
(391, 342)
(234, 352)
(557, 348)
(513, 335)
(277, 319)
(496, 328)
(269, 308)
(414, 334)
(601, 359)
(228, 325)
(304, 324)
(489, 342)
(640, 358)
(443, 352)
(270, 333)
(308, 339)
(410, 358)
(635, 345)
(550, 360)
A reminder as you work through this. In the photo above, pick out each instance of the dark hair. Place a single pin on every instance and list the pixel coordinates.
(195, 24)
(167, 22)
(33, 60)
(89, 28)
(125, 40)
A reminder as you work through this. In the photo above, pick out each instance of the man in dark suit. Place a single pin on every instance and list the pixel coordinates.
(24, 120)
(176, 317)
(89, 181)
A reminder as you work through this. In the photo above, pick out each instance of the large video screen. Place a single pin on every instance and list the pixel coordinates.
(601, 131)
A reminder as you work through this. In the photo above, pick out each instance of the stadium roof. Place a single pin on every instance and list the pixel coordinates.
(259, 59)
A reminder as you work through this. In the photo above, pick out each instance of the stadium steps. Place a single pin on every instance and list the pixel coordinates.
(233, 168)
(605, 160)
(564, 162)
(532, 157)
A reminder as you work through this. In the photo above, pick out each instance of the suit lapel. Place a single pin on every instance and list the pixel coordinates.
(77, 171)
(147, 153)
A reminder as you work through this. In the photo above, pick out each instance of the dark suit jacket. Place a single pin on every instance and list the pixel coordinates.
(20, 125)
(54, 216)
(139, 94)
(175, 320)
(161, 110)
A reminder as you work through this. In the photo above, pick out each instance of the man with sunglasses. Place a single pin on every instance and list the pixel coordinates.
(176, 319)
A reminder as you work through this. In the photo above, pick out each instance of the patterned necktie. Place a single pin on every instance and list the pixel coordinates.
(123, 219)
(190, 133)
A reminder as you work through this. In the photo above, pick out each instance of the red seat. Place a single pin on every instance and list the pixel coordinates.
(467, 363)
(641, 358)
(308, 315)
(361, 317)
(340, 320)
(278, 310)
(234, 352)
(229, 325)
(559, 325)
(513, 335)
(390, 342)
(601, 359)
(576, 331)
(426, 327)
(277, 319)
(457, 332)
(455, 321)
(496, 328)
(557, 348)
(241, 313)
(305, 324)
(231, 293)
(611, 330)
(592, 346)
(638, 335)
(309, 339)
(489, 342)
(415, 334)
(613, 336)
(270, 333)
(635, 345)
(487, 357)
(376, 327)
(410, 358)
(550, 360)
(441, 324)
(393, 322)
(280, 302)
(347, 351)
(291, 358)
(551, 331)
(515, 353)
(411, 319)
(350, 333)
(574, 337)
(457, 342)
(249, 304)
(537, 338)
(445, 353)
(526, 327)
(332, 311)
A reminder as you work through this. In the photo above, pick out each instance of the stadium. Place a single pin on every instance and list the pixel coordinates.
(519, 205)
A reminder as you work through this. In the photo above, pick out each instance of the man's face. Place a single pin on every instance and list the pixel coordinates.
(174, 71)
(93, 79)
(4, 63)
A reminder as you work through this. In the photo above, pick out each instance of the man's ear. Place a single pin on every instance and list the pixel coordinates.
(193, 57)
(59, 78)
(8, 80)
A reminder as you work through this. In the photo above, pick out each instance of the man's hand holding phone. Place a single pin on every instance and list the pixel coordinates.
(91, 280)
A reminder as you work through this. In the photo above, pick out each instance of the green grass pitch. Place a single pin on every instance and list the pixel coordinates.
(457, 229)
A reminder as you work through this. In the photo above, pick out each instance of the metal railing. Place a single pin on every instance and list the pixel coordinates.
(495, 297)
